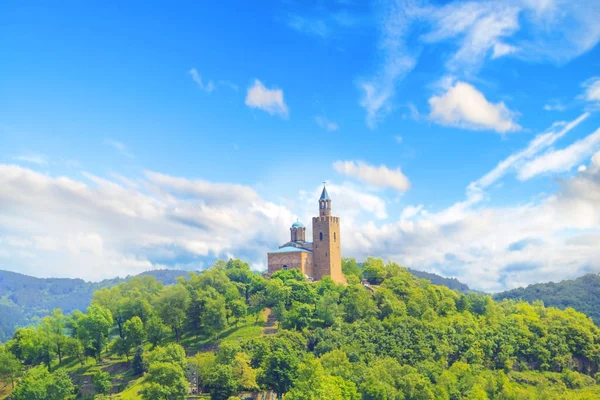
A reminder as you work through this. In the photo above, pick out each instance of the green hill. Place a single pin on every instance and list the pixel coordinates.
(229, 333)
(24, 299)
(582, 294)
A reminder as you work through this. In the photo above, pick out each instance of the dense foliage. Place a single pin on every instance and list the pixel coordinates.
(582, 294)
(397, 337)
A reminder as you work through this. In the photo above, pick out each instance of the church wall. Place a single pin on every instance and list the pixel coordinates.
(300, 260)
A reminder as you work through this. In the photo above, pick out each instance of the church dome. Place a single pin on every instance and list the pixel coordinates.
(297, 224)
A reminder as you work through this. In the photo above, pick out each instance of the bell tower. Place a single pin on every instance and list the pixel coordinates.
(327, 258)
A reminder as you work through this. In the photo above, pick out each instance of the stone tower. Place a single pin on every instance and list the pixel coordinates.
(327, 258)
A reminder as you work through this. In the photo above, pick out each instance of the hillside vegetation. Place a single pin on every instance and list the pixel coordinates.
(582, 294)
(25, 299)
(400, 337)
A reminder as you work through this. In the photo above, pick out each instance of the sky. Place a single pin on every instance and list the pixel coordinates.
(460, 138)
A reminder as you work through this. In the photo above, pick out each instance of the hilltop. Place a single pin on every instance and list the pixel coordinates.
(24, 299)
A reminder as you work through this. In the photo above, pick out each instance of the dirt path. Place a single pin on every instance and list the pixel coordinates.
(270, 327)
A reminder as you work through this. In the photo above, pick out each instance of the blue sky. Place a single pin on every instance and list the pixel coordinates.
(457, 137)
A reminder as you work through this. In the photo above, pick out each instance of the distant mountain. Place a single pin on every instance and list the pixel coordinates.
(582, 294)
(451, 283)
(24, 298)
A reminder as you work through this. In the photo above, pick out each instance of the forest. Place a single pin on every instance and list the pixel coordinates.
(229, 333)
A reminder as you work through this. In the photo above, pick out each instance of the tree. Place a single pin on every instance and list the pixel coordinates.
(374, 270)
(10, 367)
(102, 383)
(172, 353)
(135, 334)
(279, 370)
(94, 328)
(172, 304)
(156, 331)
(39, 384)
(221, 382)
(350, 267)
(238, 309)
(165, 381)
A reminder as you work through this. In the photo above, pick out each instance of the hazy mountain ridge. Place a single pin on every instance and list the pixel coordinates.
(582, 294)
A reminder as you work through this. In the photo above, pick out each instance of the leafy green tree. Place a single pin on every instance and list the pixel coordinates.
(10, 367)
(94, 329)
(237, 309)
(350, 267)
(135, 334)
(101, 382)
(172, 304)
(156, 331)
(39, 384)
(357, 303)
(221, 382)
(172, 353)
(279, 370)
(165, 381)
(312, 383)
(374, 271)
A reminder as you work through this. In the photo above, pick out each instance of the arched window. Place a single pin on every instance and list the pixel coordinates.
(285, 267)
(321, 236)
(334, 237)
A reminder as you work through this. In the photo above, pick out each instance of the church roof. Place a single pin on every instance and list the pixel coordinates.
(324, 194)
(290, 249)
(297, 224)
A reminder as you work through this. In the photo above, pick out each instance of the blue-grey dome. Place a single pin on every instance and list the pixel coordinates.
(297, 224)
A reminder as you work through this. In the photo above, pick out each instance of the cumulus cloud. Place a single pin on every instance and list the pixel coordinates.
(98, 228)
(269, 100)
(561, 160)
(380, 176)
(207, 87)
(464, 106)
(326, 124)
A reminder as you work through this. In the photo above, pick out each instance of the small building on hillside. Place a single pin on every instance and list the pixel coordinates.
(316, 259)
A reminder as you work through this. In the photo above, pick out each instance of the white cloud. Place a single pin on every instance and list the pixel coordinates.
(380, 176)
(554, 105)
(326, 124)
(541, 31)
(57, 226)
(269, 100)
(398, 61)
(32, 159)
(119, 146)
(561, 160)
(464, 106)
(514, 161)
(398, 139)
(591, 89)
(207, 87)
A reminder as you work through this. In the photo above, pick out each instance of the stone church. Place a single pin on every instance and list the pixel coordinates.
(318, 258)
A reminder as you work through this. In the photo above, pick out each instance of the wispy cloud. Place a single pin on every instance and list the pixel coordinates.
(120, 147)
(326, 124)
(464, 106)
(32, 159)
(480, 31)
(206, 86)
(269, 100)
(591, 90)
(380, 176)
(561, 160)
(554, 105)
